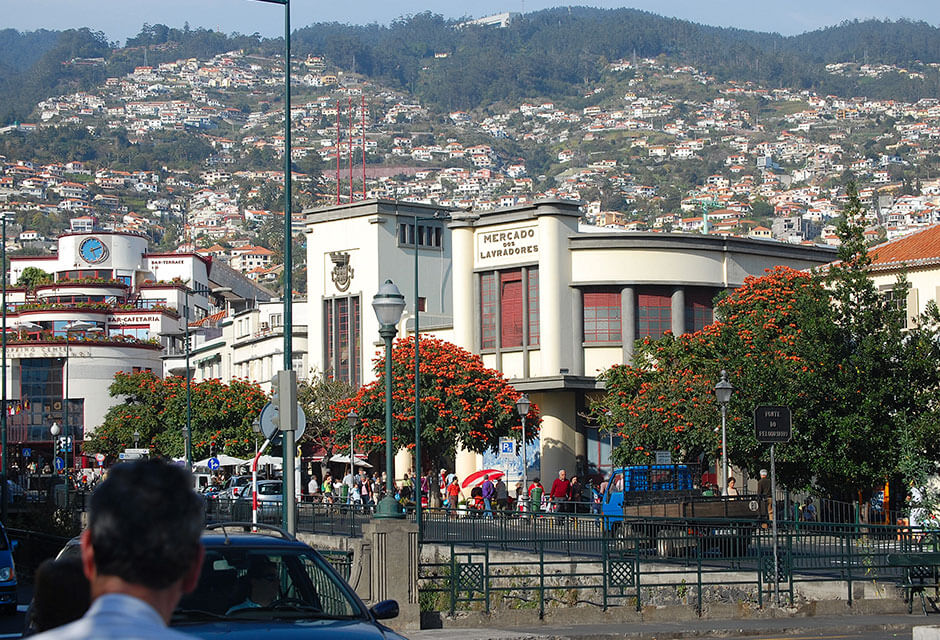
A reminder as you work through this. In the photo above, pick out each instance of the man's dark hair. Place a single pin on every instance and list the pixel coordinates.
(61, 594)
(145, 521)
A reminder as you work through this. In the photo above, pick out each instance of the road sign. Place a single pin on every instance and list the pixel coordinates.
(507, 447)
(213, 463)
(269, 429)
(27, 453)
(663, 457)
(140, 452)
(99, 457)
(59, 463)
(772, 424)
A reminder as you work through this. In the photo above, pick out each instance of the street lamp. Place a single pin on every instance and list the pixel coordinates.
(55, 431)
(723, 392)
(76, 326)
(3, 407)
(522, 408)
(136, 438)
(388, 304)
(351, 418)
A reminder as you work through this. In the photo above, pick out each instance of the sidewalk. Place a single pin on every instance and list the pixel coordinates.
(686, 629)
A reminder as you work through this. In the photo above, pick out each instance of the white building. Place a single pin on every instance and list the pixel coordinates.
(548, 305)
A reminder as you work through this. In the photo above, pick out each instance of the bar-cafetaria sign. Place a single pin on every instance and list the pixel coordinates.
(508, 245)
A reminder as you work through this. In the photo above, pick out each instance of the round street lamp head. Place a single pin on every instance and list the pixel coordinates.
(723, 389)
(55, 430)
(388, 303)
(522, 405)
(351, 418)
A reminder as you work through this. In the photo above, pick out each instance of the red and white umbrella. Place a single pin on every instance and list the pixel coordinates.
(477, 477)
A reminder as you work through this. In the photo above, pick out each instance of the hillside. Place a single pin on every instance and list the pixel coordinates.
(541, 54)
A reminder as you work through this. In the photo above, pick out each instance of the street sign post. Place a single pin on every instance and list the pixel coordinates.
(773, 424)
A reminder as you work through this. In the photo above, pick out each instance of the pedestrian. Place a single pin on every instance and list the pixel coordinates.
(730, 490)
(141, 553)
(453, 494)
(488, 494)
(502, 495)
(561, 487)
(575, 495)
(809, 510)
(764, 493)
(53, 579)
(313, 487)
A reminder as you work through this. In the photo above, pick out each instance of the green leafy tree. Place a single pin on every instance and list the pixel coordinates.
(317, 396)
(222, 415)
(463, 404)
(31, 277)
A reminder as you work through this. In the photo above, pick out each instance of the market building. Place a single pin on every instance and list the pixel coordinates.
(547, 301)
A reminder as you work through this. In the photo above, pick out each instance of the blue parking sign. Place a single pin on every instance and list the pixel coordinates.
(507, 446)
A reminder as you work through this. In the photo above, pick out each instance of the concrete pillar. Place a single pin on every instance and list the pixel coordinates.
(558, 435)
(554, 297)
(466, 462)
(628, 322)
(465, 315)
(393, 549)
(404, 463)
(678, 311)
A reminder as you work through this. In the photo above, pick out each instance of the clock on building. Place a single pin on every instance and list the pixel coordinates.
(93, 250)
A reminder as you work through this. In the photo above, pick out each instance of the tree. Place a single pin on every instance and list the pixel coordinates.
(317, 396)
(156, 408)
(31, 277)
(828, 345)
(463, 404)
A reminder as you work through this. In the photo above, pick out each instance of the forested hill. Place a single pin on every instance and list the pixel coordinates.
(545, 54)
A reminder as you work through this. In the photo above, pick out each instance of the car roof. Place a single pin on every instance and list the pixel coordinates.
(247, 539)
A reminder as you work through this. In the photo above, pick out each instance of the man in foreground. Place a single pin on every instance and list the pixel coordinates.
(141, 552)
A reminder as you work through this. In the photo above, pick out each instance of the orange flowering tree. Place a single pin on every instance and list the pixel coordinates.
(463, 404)
(862, 388)
(156, 408)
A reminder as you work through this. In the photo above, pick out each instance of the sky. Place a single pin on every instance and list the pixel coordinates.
(120, 19)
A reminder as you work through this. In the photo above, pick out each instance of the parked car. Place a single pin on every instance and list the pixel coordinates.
(234, 487)
(268, 584)
(270, 499)
(7, 574)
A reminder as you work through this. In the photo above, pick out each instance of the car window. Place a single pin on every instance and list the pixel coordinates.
(252, 584)
(270, 489)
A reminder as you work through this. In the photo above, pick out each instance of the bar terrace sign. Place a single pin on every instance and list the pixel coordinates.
(772, 424)
(507, 246)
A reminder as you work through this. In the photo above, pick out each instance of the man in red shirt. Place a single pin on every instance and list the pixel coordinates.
(559, 493)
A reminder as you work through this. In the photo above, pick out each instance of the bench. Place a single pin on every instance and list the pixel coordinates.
(921, 572)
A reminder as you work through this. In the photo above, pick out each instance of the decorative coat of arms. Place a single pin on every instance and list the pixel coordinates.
(342, 272)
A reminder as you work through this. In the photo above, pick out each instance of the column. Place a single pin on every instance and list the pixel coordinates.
(466, 317)
(558, 434)
(628, 321)
(678, 311)
(554, 276)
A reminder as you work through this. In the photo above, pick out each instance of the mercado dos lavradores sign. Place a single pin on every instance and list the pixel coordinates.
(507, 245)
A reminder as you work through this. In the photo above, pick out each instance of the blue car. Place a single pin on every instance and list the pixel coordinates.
(268, 584)
(7, 575)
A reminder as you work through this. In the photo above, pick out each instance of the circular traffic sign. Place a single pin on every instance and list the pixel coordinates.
(99, 457)
(59, 463)
(213, 463)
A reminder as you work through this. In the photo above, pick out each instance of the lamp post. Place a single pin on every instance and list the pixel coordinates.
(136, 438)
(388, 304)
(723, 392)
(287, 513)
(55, 431)
(351, 418)
(73, 327)
(522, 408)
(3, 420)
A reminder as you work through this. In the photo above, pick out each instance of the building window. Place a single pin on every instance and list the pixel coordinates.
(342, 339)
(85, 274)
(501, 296)
(898, 301)
(602, 319)
(533, 305)
(141, 332)
(422, 304)
(654, 315)
(41, 388)
(488, 304)
(429, 236)
(699, 311)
